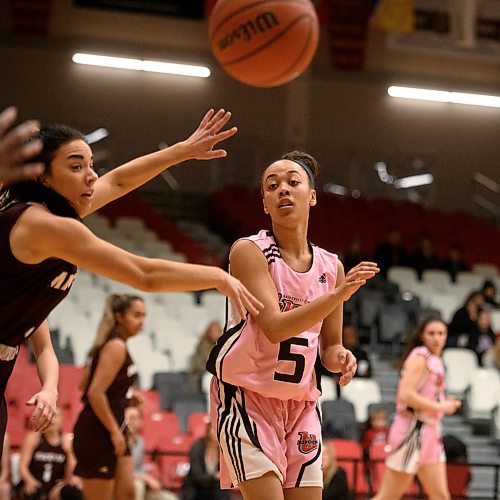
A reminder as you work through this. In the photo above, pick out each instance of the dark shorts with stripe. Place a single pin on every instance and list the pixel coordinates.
(93, 448)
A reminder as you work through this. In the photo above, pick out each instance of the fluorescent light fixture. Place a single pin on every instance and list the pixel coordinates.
(142, 65)
(486, 182)
(444, 96)
(413, 181)
(383, 175)
(333, 188)
(96, 136)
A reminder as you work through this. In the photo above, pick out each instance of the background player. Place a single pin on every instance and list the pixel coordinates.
(415, 433)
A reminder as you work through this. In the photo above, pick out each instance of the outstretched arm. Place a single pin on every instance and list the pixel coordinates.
(40, 235)
(15, 149)
(198, 146)
(249, 265)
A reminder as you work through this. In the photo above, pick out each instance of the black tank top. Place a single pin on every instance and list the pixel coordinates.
(48, 463)
(120, 390)
(28, 293)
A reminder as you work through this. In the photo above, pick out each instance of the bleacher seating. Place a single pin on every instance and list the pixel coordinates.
(461, 365)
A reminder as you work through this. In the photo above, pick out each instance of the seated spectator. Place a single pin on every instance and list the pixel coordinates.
(335, 486)
(147, 484)
(202, 481)
(350, 341)
(464, 321)
(46, 465)
(454, 263)
(5, 489)
(489, 292)
(200, 356)
(354, 255)
(424, 257)
(390, 253)
(483, 339)
(377, 429)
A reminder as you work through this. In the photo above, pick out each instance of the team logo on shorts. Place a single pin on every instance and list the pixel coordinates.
(307, 442)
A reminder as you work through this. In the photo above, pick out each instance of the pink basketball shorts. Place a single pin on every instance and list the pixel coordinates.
(258, 435)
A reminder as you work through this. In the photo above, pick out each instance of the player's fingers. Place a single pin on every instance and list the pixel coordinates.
(252, 305)
(7, 118)
(238, 304)
(206, 118)
(210, 155)
(220, 120)
(20, 134)
(222, 136)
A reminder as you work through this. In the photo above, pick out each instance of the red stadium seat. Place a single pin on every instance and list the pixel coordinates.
(159, 427)
(197, 424)
(350, 457)
(173, 460)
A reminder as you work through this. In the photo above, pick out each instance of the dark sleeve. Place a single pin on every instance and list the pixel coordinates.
(197, 472)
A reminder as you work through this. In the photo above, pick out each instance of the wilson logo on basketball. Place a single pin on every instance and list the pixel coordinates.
(263, 22)
(307, 442)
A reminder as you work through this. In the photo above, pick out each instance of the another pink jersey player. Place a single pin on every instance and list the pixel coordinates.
(264, 393)
(415, 444)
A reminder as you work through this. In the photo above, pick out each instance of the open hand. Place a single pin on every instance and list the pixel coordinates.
(239, 296)
(356, 278)
(201, 142)
(15, 149)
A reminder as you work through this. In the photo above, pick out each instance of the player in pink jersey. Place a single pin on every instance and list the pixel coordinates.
(415, 444)
(265, 390)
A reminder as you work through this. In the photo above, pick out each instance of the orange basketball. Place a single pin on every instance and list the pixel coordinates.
(264, 43)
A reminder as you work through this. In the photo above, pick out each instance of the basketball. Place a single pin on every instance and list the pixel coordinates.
(264, 43)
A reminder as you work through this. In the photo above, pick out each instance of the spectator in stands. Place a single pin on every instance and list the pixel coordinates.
(334, 476)
(454, 263)
(351, 342)
(15, 149)
(424, 257)
(415, 444)
(464, 321)
(200, 356)
(202, 481)
(483, 339)
(390, 252)
(5, 488)
(377, 429)
(354, 254)
(147, 484)
(46, 465)
(489, 292)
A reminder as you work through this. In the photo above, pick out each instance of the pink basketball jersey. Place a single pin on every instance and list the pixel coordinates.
(433, 384)
(244, 357)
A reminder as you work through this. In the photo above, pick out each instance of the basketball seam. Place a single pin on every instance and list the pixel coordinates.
(242, 9)
(269, 42)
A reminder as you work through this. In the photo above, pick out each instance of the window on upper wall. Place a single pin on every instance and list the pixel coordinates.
(193, 9)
